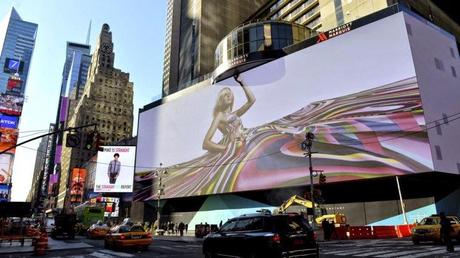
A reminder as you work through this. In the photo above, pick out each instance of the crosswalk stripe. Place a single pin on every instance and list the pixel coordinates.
(101, 255)
(354, 252)
(374, 253)
(167, 247)
(426, 254)
(345, 252)
(118, 254)
(399, 254)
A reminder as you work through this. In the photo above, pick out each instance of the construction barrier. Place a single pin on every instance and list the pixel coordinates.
(340, 233)
(385, 231)
(370, 232)
(363, 232)
(41, 245)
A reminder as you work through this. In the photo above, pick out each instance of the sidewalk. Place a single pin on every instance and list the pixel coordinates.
(52, 246)
(188, 238)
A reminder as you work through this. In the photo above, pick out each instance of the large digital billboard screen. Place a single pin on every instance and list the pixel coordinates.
(115, 169)
(11, 105)
(367, 117)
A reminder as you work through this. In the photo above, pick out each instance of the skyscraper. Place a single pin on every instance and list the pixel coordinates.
(107, 101)
(17, 41)
(193, 30)
(74, 74)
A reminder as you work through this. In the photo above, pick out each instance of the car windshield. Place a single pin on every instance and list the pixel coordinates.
(430, 221)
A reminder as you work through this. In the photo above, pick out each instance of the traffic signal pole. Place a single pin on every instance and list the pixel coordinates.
(43, 135)
(306, 145)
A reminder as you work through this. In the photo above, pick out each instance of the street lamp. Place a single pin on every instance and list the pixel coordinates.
(160, 191)
(306, 146)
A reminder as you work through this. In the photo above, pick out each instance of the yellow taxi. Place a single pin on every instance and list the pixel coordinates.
(127, 236)
(429, 229)
(97, 230)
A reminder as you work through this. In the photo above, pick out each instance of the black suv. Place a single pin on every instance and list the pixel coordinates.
(262, 235)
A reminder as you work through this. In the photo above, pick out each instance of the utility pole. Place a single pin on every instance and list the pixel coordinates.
(160, 191)
(306, 146)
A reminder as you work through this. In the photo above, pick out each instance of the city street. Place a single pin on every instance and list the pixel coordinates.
(382, 248)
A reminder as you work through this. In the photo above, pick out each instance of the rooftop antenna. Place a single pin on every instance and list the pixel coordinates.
(89, 33)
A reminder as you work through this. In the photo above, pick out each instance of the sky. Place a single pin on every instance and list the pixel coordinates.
(138, 28)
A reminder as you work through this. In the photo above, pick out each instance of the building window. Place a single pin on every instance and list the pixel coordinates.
(438, 128)
(438, 63)
(438, 152)
(454, 73)
(445, 118)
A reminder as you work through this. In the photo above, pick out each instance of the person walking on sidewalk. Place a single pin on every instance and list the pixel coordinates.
(446, 229)
(181, 228)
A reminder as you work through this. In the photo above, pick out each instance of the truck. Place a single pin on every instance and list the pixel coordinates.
(338, 219)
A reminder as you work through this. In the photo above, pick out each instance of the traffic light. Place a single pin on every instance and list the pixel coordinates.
(322, 178)
(89, 143)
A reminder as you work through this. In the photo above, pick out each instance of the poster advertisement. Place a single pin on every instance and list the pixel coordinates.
(11, 105)
(78, 184)
(115, 169)
(110, 204)
(4, 192)
(6, 160)
(8, 138)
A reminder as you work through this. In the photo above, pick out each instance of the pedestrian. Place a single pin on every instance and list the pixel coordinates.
(326, 229)
(186, 228)
(181, 228)
(446, 228)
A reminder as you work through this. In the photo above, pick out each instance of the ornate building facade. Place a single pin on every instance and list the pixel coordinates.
(107, 102)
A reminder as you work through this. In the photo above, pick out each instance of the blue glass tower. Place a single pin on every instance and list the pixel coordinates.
(17, 41)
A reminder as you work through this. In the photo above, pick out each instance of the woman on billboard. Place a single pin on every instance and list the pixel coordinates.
(228, 121)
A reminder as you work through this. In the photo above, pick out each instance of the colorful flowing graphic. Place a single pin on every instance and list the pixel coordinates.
(373, 133)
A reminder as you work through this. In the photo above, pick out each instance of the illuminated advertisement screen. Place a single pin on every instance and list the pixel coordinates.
(13, 66)
(8, 138)
(77, 184)
(5, 168)
(367, 118)
(11, 105)
(4, 193)
(115, 169)
(9, 121)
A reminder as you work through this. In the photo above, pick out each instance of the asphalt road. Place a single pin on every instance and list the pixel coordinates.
(379, 248)
(159, 248)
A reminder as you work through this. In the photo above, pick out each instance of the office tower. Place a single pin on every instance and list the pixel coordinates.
(193, 30)
(17, 41)
(107, 101)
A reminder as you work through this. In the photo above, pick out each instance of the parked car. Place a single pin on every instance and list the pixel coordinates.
(263, 235)
(127, 236)
(429, 229)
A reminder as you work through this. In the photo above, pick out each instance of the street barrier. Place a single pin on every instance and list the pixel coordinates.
(361, 232)
(384, 231)
(41, 245)
(340, 233)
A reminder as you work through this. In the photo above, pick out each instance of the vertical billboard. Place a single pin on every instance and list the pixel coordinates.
(115, 169)
(4, 192)
(6, 164)
(245, 133)
(77, 184)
